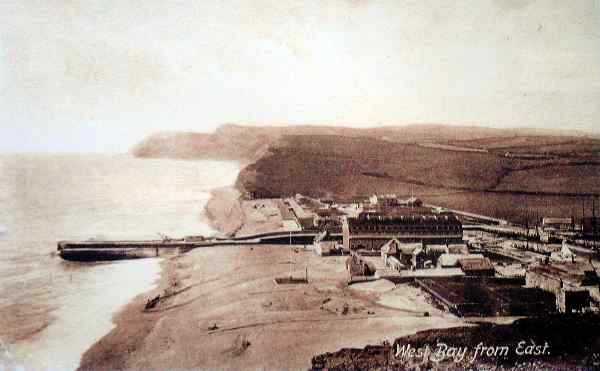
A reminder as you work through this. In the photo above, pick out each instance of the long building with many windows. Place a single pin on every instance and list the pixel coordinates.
(369, 231)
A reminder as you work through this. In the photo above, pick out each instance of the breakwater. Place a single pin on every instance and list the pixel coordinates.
(118, 250)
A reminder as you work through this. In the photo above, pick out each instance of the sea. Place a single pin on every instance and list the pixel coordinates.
(52, 311)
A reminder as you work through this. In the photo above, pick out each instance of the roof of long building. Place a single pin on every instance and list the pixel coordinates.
(403, 219)
(557, 220)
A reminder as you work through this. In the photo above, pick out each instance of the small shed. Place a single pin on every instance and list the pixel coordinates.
(451, 260)
(477, 266)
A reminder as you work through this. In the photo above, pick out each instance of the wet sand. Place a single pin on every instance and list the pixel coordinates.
(259, 324)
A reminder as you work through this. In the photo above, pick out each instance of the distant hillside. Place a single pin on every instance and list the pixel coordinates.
(481, 182)
(499, 172)
(322, 165)
(248, 143)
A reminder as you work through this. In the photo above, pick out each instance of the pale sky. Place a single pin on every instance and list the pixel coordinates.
(98, 76)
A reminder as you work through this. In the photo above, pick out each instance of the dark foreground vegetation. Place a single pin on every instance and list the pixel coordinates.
(551, 342)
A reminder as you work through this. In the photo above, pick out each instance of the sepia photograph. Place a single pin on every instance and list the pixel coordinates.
(299, 185)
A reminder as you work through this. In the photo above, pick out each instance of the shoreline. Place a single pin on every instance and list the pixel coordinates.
(132, 325)
(222, 308)
(230, 314)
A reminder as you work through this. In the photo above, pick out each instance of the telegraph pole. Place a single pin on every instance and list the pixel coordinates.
(291, 256)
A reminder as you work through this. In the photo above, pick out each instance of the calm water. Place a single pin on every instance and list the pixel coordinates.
(51, 310)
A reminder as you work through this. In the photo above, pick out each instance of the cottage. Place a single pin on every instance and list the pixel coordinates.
(399, 255)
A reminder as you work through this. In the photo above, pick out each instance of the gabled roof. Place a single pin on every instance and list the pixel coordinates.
(390, 247)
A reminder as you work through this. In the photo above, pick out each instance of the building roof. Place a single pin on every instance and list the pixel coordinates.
(377, 219)
(390, 247)
(350, 200)
(557, 221)
(451, 260)
(413, 201)
(410, 248)
(575, 274)
(406, 215)
(475, 264)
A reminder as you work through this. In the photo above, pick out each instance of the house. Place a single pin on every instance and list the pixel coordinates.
(399, 255)
(433, 253)
(352, 202)
(356, 266)
(411, 255)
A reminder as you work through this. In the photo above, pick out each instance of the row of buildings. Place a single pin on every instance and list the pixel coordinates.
(406, 236)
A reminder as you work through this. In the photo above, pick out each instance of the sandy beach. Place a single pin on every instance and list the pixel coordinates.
(222, 309)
